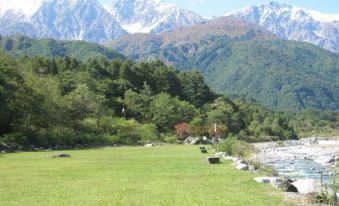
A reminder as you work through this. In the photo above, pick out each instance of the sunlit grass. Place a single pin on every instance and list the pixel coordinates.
(166, 175)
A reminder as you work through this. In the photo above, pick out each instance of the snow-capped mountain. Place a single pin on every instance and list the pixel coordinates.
(76, 20)
(294, 23)
(151, 16)
(90, 20)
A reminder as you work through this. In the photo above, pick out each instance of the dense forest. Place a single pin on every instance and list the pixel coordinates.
(64, 101)
(19, 46)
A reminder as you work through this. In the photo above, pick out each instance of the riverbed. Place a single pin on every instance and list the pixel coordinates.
(310, 158)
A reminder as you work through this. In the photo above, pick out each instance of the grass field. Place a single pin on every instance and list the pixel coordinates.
(166, 175)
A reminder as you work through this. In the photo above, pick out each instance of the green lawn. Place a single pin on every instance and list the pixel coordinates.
(166, 175)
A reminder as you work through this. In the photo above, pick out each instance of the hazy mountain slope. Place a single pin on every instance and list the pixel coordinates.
(20, 46)
(294, 23)
(240, 58)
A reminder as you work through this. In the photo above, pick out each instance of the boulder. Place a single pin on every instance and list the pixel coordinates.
(277, 182)
(149, 145)
(213, 160)
(306, 186)
(192, 140)
(3, 151)
(331, 160)
(242, 166)
(220, 154)
(252, 168)
(63, 155)
(240, 161)
(206, 140)
(195, 141)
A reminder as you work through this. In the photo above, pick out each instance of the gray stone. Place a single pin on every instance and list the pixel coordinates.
(220, 154)
(242, 166)
(307, 186)
(3, 151)
(149, 145)
(277, 182)
(251, 168)
(331, 160)
(192, 140)
(213, 160)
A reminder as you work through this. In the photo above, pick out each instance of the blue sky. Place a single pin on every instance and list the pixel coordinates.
(212, 8)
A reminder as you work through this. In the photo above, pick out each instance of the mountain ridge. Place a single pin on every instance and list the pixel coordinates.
(294, 23)
(91, 20)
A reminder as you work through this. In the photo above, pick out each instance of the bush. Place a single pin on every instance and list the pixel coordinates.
(182, 130)
(148, 132)
(234, 147)
(14, 139)
(170, 139)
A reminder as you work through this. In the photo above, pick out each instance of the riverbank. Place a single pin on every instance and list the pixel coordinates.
(305, 158)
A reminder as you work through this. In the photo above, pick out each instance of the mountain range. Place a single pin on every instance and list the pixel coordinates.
(294, 23)
(237, 57)
(91, 20)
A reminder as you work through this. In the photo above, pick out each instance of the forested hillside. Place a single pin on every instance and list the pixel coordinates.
(64, 101)
(240, 58)
(20, 46)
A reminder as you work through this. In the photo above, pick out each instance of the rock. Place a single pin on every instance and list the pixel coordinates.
(265, 180)
(149, 145)
(3, 151)
(251, 168)
(62, 156)
(220, 154)
(204, 151)
(277, 182)
(195, 141)
(192, 140)
(239, 161)
(242, 166)
(213, 160)
(306, 186)
(332, 160)
(230, 158)
(206, 140)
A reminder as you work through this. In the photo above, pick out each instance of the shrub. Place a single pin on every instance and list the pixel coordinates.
(182, 130)
(14, 138)
(234, 147)
(148, 132)
(170, 139)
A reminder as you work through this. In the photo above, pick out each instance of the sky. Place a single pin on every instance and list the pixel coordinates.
(210, 8)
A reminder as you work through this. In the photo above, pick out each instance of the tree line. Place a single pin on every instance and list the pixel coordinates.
(65, 101)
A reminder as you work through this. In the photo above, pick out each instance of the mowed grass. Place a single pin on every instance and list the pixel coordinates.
(165, 175)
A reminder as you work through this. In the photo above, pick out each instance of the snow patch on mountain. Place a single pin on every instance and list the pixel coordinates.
(145, 16)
